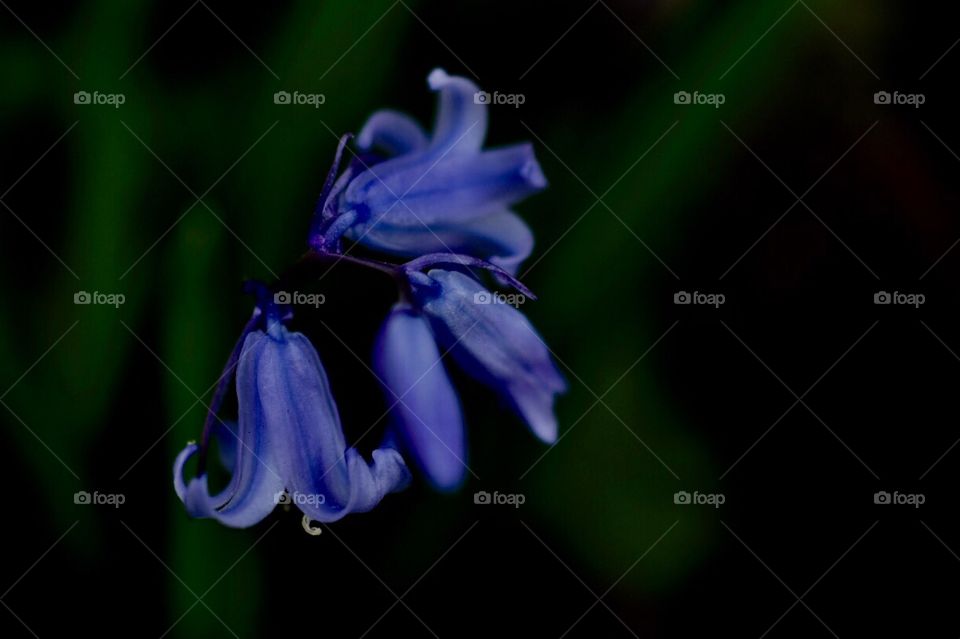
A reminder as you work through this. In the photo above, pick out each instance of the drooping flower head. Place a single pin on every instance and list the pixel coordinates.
(491, 340)
(288, 444)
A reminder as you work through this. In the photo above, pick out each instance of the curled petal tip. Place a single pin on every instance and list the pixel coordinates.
(535, 406)
(533, 174)
(178, 484)
(437, 78)
(394, 132)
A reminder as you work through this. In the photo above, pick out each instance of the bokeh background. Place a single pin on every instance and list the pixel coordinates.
(798, 199)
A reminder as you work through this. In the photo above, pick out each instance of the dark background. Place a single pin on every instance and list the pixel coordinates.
(647, 198)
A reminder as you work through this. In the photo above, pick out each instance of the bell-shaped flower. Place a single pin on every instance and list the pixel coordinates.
(438, 193)
(492, 341)
(425, 411)
(289, 444)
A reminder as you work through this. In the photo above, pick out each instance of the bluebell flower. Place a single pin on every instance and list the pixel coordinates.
(445, 201)
(408, 194)
(493, 342)
(288, 444)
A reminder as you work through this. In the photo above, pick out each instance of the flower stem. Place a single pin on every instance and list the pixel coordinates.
(385, 267)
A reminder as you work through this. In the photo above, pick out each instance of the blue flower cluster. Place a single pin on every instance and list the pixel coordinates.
(440, 205)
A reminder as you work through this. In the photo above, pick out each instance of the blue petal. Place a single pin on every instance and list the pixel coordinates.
(401, 195)
(371, 482)
(508, 237)
(460, 129)
(393, 132)
(494, 343)
(295, 403)
(257, 476)
(425, 410)
(502, 238)
(461, 120)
